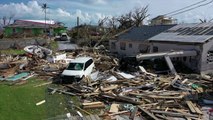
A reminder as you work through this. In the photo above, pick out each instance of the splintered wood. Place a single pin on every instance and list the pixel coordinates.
(152, 97)
(139, 95)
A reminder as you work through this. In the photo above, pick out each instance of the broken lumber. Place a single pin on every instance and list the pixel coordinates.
(41, 102)
(62, 91)
(148, 113)
(93, 105)
(174, 114)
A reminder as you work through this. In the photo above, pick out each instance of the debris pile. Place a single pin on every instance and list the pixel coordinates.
(142, 95)
(119, 95)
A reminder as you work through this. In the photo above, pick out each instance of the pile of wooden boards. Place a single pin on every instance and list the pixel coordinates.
(152, 97)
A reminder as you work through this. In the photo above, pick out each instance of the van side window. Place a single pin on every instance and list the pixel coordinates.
(88, 63)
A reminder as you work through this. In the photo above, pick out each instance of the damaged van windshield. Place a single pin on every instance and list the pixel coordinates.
(75, 66)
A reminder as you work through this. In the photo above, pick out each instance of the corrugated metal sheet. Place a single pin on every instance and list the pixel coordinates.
(144, 32)
(196, 33)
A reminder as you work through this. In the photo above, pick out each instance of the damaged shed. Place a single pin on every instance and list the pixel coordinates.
(188, 37)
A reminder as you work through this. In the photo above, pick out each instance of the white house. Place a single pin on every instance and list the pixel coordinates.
(135, 40)
(188, 37)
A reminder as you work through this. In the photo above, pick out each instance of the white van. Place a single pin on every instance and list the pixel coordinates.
(78, 68)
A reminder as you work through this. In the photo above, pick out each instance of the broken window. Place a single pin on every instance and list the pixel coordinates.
(210, 57)
(113, 45)
(123, 46)
(130, 45)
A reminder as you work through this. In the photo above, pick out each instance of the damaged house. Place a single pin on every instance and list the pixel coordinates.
(188, 37)
(135, 40)
(28, 28)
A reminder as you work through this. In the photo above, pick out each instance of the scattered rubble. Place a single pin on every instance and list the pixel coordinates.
(121, 95)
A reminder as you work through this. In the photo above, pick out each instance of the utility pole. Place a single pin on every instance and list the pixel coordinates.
(44, 7)
(77, 21)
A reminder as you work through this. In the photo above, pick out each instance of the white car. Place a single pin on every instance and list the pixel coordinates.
(78, 68)
(64, 37)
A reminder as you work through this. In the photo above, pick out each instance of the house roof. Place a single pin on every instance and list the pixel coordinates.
(143, 33)
(187, 33)
(51, 22)
(34, 24)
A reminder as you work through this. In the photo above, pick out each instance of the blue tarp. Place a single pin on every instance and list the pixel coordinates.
(18, 76)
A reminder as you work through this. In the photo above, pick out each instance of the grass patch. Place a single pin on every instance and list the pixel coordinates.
(12, 52)
(19, 102)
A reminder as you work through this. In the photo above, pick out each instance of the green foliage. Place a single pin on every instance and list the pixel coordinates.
(12, 52)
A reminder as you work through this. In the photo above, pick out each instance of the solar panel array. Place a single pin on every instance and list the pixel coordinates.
(188, 32)
(200, 29)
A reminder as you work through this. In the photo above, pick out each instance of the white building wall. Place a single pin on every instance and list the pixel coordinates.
(206, 66)
(137, 47)
(192, 62)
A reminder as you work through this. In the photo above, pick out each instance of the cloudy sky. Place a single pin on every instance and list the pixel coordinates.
(90, 11)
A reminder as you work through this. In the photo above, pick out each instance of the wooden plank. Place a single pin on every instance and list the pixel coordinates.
(170, 65)
(109, 88)
(148, 113)
(163, 117)
(62, 91)
(94, 106)
(193, 107)
(197, 109)
(114, 108)
(189, 103)
(174, 114)
(92, 103)
(82, 110)
(166, 97)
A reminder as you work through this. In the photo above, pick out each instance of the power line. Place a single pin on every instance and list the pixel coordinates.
(185, 7)
(192, 8)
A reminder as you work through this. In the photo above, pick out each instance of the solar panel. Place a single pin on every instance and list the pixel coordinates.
(199, 31)
(179, 30)
(209, 31)
(191, 31)
(184, 31)
(206, 29)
